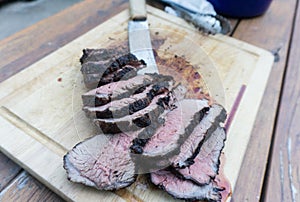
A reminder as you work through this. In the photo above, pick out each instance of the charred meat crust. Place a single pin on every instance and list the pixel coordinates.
(150, 163)
(197, 117)
(216, 191)
(196, 174)
(177, 93)
(102, 96)
(138, 120)
(218, 119)
(143, 137)
(217, 166)
(100, 61)
(93, 55)
(211, 126)
(157, 89)
(128, 106)
(140, 142)
(98, 69)
(185, 189)
(125, 73)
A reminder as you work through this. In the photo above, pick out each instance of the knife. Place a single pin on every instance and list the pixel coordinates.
(139, 36)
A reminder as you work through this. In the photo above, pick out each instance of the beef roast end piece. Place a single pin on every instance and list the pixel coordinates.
(94, 55)
(100, 67)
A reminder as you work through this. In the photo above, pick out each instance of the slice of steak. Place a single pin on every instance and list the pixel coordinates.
(99, 69)
(155, 152)
(130, 105)
(178, 93)
(185, 189)
(102, 161)
(121, 89)
(179, 124)
(207, 162)
(138, 120)
(191, 147)
(97, 80)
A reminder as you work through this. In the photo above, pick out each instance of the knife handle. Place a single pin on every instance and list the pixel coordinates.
(138, 10)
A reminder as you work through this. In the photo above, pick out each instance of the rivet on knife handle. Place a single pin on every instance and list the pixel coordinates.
(138, 9)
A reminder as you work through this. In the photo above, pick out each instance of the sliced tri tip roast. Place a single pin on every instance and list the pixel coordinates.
(103, 162)
(166, 143)
(147, 126)
(121, 89)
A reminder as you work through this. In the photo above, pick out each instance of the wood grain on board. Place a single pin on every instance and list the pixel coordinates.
(52, 136)
(272, 32)
(284, 175)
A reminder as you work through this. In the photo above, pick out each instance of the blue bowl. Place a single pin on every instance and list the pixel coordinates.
(241, 8)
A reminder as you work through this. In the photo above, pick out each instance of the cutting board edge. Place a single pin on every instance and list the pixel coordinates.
(260, 51)
(266, 60)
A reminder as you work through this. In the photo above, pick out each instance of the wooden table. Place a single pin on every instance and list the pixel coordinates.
(270, 170)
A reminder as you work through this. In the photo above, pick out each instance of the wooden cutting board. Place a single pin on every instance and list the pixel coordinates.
(41, 117)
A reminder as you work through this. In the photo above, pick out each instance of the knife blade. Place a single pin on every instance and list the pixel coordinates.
(139, 36)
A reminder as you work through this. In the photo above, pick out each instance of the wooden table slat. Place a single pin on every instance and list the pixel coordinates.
(33, 43)
(8, 171)
(26, 188)
(284, 176)
(271, 31)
